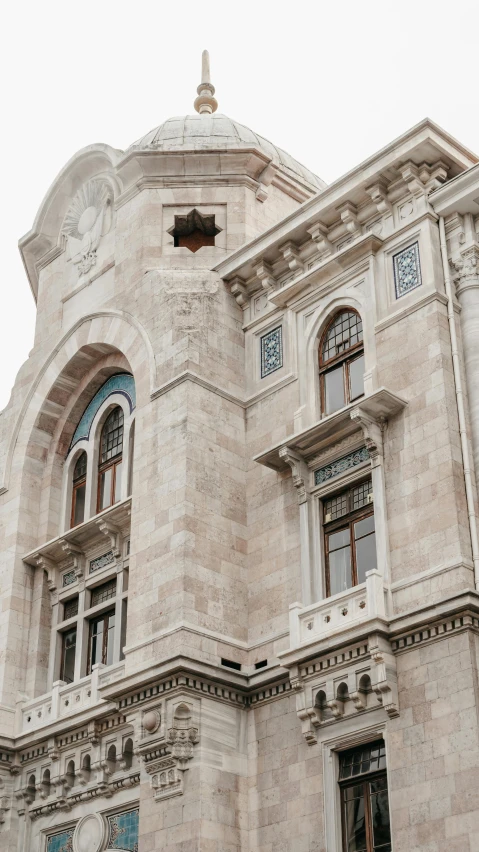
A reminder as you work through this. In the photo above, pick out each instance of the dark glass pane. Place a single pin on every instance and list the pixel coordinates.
(353, 762)
(356, 378)
(340, 577)
(334, 390)
(380, 818)
(79, 471)
(354, 792)
(103, 593)
(70, 608)
(365, 556)
(112, 435)
(364, 527)
(118, 482)
(96, 642)
(338, 539)
(105, 488)
(69, 647)
(109, 646)
(355, 825)
(345, 331)
(79, 508)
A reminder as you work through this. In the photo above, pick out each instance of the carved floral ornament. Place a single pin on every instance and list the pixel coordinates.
(87, 221)
(167, 755)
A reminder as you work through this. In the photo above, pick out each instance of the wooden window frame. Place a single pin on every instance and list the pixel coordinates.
(110, 464)
(76, 484)
(344, 522)
(65, 633)
(104, 650)
(113, 464)
(345, 358)
(362, 780)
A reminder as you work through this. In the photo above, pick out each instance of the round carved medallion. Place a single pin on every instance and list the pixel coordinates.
(151, 721)
(89, 834)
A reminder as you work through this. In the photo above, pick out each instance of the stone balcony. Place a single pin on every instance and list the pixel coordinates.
(66, 700)
(338, 614)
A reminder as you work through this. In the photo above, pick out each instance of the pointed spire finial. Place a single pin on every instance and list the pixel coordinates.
(205, 103)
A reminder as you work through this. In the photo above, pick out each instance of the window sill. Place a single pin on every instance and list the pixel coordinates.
(333, 428)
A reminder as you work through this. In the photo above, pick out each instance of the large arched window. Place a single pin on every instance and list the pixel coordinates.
(341, 361)
(79, 490)
(111, 451)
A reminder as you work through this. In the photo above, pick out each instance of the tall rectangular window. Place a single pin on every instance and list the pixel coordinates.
(100, 645)
(349, 537)
(67, 667)
(364, 799)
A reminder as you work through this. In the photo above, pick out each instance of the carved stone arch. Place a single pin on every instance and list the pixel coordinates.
(90, 339)
(95, 162)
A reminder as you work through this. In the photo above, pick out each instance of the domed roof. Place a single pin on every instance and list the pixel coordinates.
(216, 131)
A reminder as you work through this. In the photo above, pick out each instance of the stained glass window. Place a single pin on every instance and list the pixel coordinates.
(123, 831)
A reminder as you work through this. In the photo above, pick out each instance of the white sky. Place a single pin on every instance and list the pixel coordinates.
(331, 83)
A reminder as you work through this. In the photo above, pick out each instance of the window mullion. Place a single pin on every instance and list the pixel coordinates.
(367, 814)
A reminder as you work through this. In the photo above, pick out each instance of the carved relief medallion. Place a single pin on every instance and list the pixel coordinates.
(87, 221)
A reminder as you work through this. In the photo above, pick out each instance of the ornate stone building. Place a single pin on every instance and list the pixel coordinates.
(238, 503)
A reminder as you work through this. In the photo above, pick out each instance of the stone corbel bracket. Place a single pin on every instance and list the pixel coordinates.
(114, 534)
(77, 555)
(300, 472)
(319, 235)
(384, 681)
(349, 215)
(264, 273)
(292, 257)
(239, 290)
(422, 180)
(5, 803)
(51, 570)
(265, 180)
(168, 758)
(373, 431)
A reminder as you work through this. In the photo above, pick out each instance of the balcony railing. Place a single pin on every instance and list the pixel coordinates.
(66, 699)
(340, 612)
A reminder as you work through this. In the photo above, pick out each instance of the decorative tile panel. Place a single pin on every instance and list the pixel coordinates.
(407, 270)
(61, 842)
(122, 383)
(340, 465)
(68, 578)
(101, 561)
(271, 351)
(123, 831)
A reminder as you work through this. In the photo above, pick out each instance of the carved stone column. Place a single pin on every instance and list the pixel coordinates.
(467, 289)
(301, 476)
(373, 431)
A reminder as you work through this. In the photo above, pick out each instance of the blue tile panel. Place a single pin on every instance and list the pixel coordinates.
(61, 842)
(101, 561)
(407, 270)
(68, 578)
(271, 351)
(123, 831)
(340, 465)
(121, 383)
